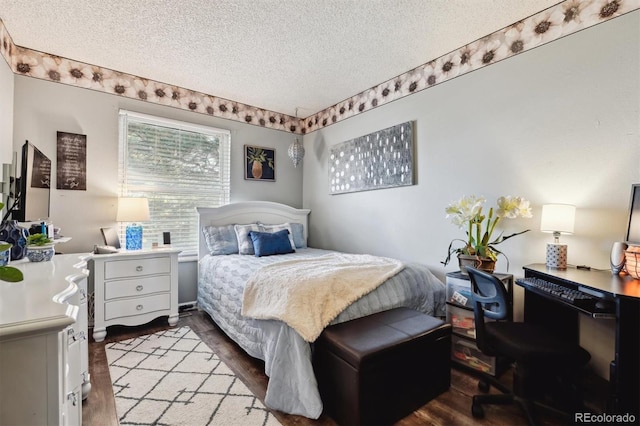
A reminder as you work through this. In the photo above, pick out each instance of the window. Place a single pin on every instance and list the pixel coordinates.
(178, 166)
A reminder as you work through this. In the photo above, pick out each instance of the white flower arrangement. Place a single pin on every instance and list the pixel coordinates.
(467, 213)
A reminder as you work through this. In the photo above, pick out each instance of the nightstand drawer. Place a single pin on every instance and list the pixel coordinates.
(139, 287)
(137, 306)
(136, 267)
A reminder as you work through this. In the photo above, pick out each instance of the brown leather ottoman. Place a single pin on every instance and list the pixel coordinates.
(378, 369)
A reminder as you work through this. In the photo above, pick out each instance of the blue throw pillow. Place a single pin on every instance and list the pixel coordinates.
(267, 243)
(276, 228)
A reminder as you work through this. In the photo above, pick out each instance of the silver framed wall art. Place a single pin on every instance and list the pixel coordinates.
(382, 159)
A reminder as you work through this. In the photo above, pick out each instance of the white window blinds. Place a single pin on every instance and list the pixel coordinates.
(178, 166)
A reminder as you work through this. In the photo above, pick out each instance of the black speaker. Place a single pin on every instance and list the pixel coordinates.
(166, 238)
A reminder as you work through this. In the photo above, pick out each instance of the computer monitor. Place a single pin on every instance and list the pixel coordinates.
(633, 227)
(110, 236)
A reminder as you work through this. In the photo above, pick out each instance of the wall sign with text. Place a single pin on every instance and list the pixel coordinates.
(40, 171)
(72, 161)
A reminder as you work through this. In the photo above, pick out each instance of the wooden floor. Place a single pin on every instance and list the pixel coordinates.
(451, 408)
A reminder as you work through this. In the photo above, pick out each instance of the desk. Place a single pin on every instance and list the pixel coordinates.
(620, 297)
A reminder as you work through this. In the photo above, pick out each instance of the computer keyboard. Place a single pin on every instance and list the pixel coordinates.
(574, 297)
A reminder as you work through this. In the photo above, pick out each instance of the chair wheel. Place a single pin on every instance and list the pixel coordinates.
(484, 386)
(476, 410)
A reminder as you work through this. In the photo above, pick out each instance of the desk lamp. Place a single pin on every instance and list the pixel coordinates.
(557, 219)
(133, 210)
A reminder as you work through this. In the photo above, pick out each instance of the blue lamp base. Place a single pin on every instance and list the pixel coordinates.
(134, 237)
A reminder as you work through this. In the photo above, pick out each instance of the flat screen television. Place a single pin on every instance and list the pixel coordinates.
(33, 186)
(633, 227)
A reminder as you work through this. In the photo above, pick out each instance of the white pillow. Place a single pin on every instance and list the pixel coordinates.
(245, 245)
(275, 228)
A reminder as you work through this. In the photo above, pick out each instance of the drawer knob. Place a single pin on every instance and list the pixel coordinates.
(139, 288)
(139, 268)
(139, 307)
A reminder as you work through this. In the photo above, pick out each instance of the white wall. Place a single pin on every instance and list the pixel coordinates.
(6, 122)
(42, 108)
(557, 124)
(6, 112)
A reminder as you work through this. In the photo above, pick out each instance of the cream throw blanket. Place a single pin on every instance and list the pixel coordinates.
(307, 294)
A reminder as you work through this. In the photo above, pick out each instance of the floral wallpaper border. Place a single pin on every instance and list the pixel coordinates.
(551, 24)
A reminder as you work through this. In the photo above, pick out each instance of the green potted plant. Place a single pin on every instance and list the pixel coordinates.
(479, 249)
(39, 248)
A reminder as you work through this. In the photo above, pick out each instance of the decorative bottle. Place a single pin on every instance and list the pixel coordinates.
(16, 235)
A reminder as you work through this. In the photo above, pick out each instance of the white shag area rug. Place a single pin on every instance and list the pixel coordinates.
(173, 378)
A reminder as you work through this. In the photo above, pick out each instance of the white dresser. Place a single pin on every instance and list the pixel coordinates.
(133, 288)
(43, 343)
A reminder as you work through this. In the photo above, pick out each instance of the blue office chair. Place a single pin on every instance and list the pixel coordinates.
(544, 364)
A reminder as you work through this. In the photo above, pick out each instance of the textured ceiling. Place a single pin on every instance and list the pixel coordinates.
(280, 55)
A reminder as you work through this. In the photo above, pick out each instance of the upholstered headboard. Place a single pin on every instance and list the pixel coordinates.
(266, 212)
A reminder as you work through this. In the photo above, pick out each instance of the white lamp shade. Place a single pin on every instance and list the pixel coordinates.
(558, 218)
(132, 209)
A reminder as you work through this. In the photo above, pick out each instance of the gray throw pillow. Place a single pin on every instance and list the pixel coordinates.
(220, 239)
(298, 235)
(245, 245)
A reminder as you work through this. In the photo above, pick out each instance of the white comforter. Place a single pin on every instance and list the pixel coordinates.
(292, 385)
(307, 294)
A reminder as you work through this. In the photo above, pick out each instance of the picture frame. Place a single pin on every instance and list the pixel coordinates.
(378, 160)
(259, 163)
(71, 171)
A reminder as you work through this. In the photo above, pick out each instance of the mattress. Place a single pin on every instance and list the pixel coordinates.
(292, 386)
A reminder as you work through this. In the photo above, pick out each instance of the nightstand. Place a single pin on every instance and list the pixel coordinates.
(133, 288)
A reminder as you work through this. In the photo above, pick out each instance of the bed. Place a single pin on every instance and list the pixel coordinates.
(223, 275)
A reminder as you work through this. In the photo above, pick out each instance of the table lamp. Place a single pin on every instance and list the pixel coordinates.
(132, 210)
(557, 219)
